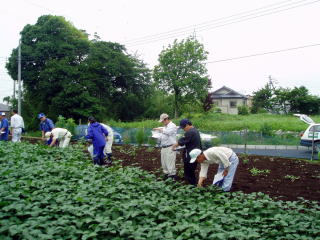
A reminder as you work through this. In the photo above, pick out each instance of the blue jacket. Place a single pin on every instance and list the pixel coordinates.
(46, 125)
(98, 134)
(4, 124)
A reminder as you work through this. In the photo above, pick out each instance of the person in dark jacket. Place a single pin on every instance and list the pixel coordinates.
(191, 140)
(46, 125)
(98, 134)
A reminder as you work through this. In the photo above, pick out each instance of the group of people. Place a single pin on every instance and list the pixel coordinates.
(101, 136)
(14, 129)
(193, 154)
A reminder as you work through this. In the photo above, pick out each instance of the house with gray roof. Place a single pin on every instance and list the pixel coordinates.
(5, 108)
(228, 100)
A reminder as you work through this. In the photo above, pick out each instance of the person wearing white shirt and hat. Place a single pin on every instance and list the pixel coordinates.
(61, 134)
(225, 157)
(17, 124)
(167, 140)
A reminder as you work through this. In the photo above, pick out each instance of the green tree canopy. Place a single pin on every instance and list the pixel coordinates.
(285, 100)
(182, 72)
(65, 73)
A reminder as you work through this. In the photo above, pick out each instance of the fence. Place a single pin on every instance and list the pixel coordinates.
(243, 139)
(209, 138)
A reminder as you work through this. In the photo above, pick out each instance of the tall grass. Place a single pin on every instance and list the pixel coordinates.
(228, 122)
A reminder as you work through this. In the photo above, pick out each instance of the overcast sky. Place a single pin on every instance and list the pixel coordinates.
(229, 29)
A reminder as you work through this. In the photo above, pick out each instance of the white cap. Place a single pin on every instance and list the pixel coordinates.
(47, 134)
(194, 154)
(163, 116)
(3, 114)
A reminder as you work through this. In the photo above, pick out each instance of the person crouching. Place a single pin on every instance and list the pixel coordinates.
(225, 157)
(61, 135)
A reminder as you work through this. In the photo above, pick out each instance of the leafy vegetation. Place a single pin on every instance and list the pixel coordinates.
(53, 193)
(66, 123)
(292, 177)
(257, 172)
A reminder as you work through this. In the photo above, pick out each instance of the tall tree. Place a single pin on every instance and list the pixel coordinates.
(52, 50)
(65, 73)
(118, 80)
(302, 102)
(262, 99)
(182, 71)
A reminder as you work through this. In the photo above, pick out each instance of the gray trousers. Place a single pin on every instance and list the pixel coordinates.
(168, 161)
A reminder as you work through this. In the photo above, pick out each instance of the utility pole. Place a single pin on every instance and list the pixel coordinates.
(14, 89)
(19, 78)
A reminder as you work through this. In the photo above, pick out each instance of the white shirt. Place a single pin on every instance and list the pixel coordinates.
(17, 121)
(109, 129)
(169, 134)
(58, 133)
(219, 155)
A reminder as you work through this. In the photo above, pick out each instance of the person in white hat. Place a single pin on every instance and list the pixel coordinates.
(60, 134)
(167, 139)
(225, 157)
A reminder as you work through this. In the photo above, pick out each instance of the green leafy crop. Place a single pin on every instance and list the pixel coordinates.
(53, 193)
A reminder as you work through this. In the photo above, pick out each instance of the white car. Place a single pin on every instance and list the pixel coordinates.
(311, 134)
(203, 136)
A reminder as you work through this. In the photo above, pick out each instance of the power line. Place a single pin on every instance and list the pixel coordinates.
(264, 53)
(199, 24)
(192, 27)
(212, 25)
(33, 60)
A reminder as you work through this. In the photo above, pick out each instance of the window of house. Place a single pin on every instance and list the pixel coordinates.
(233, 104)
(216, 103)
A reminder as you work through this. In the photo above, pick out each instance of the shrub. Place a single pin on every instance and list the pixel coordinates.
(140, 136)
(216, 142)
(67, 124)
(243, 110)
(266, 129)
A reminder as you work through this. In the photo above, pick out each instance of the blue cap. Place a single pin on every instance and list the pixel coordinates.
(40, 115)
(184, 122)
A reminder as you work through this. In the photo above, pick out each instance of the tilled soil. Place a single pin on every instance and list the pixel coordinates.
(281, 178)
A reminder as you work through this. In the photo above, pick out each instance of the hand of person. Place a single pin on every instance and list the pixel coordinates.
(200, 182)
(174, 146)
(225, 172)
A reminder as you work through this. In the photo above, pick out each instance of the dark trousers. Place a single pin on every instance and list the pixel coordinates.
(98, 155)
(190, 171)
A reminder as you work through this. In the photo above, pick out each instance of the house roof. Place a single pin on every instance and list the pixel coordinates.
(226, 92)
(4, 108)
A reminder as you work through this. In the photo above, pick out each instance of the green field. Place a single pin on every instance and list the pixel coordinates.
(228, 122)
(52, 193)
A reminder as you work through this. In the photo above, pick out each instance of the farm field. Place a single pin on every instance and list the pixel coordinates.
(281, 178)
(52, 193)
